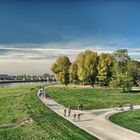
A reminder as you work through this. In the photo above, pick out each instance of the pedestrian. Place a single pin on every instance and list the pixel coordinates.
(65, 112)
(78, 106)
(39, 94)
(69, 111)
(46, 96)
(131, 106)
(78, 117)
(74, 117)
(81, 107)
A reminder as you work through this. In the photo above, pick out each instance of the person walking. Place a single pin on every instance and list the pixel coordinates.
(78, 106)
(78, 117)
(74, 117)
(69, 111)
(131, 107)
(81, 107)
(65, 112)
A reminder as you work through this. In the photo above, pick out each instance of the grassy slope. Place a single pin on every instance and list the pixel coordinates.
(17, 103)
(92, 98)
(130, 120)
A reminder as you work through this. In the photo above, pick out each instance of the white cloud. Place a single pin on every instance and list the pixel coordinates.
(37, 58)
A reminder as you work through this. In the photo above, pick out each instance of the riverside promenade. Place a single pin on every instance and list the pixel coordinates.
(95, 122)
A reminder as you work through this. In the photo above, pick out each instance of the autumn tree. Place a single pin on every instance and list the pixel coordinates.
(123, 71)
(61, 69)
(104, 67)
(87, 66)
(137, 67)
(73, 73)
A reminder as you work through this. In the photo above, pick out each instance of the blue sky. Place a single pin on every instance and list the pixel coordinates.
(34, 33)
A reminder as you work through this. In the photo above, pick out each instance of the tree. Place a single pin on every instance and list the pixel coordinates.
(61, 69)
(81, 72)
(87, 66)
(73, 73)
(105, 68)
(137, 69)
(123, 71)
(121, 56)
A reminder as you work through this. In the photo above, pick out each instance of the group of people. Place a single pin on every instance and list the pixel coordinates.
(76, 117)
(80, 107)
(67, 112)
(122, 109)
(41, 93)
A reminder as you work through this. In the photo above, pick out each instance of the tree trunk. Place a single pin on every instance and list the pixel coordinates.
(124, 89)
(92, 84)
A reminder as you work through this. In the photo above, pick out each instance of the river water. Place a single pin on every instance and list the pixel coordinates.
(19, 84)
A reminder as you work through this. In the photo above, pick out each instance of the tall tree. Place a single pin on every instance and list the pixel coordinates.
(73, 73)
(123, 71)
(104, 67)
(137, 67)
(87, 66)
(61, 69)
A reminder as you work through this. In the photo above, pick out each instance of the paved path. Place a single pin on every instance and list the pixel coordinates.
(96, 122)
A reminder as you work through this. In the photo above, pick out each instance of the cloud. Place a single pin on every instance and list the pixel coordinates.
(50, 51)
(38, 58)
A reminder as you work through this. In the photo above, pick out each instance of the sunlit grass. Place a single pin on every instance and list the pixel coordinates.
(130, 120)
(19, 103)
(92, 98)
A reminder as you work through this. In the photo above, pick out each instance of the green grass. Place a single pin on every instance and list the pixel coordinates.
(18, 103)
(130, 120)
(92, 98)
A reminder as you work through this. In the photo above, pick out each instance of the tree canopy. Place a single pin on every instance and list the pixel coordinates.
(61, 69)
(115, 69)
(87, 66)
(73, 73)
(123, 70)
(105, 67)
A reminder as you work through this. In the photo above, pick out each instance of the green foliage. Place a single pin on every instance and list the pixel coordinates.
(73, 73)
(116, 69)
(61, 69)
(136, 65)
(105, 68)
(121, 55)
(124, 70)
(87, 66)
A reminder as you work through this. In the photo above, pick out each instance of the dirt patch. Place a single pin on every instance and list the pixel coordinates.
(20, 123)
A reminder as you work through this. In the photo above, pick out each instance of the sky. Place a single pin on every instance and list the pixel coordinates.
(33, 33)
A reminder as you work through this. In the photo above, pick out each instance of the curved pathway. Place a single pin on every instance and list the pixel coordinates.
(96, 122)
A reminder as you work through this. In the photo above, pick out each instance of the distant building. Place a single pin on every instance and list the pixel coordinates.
(4, 77)
(44, 77)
